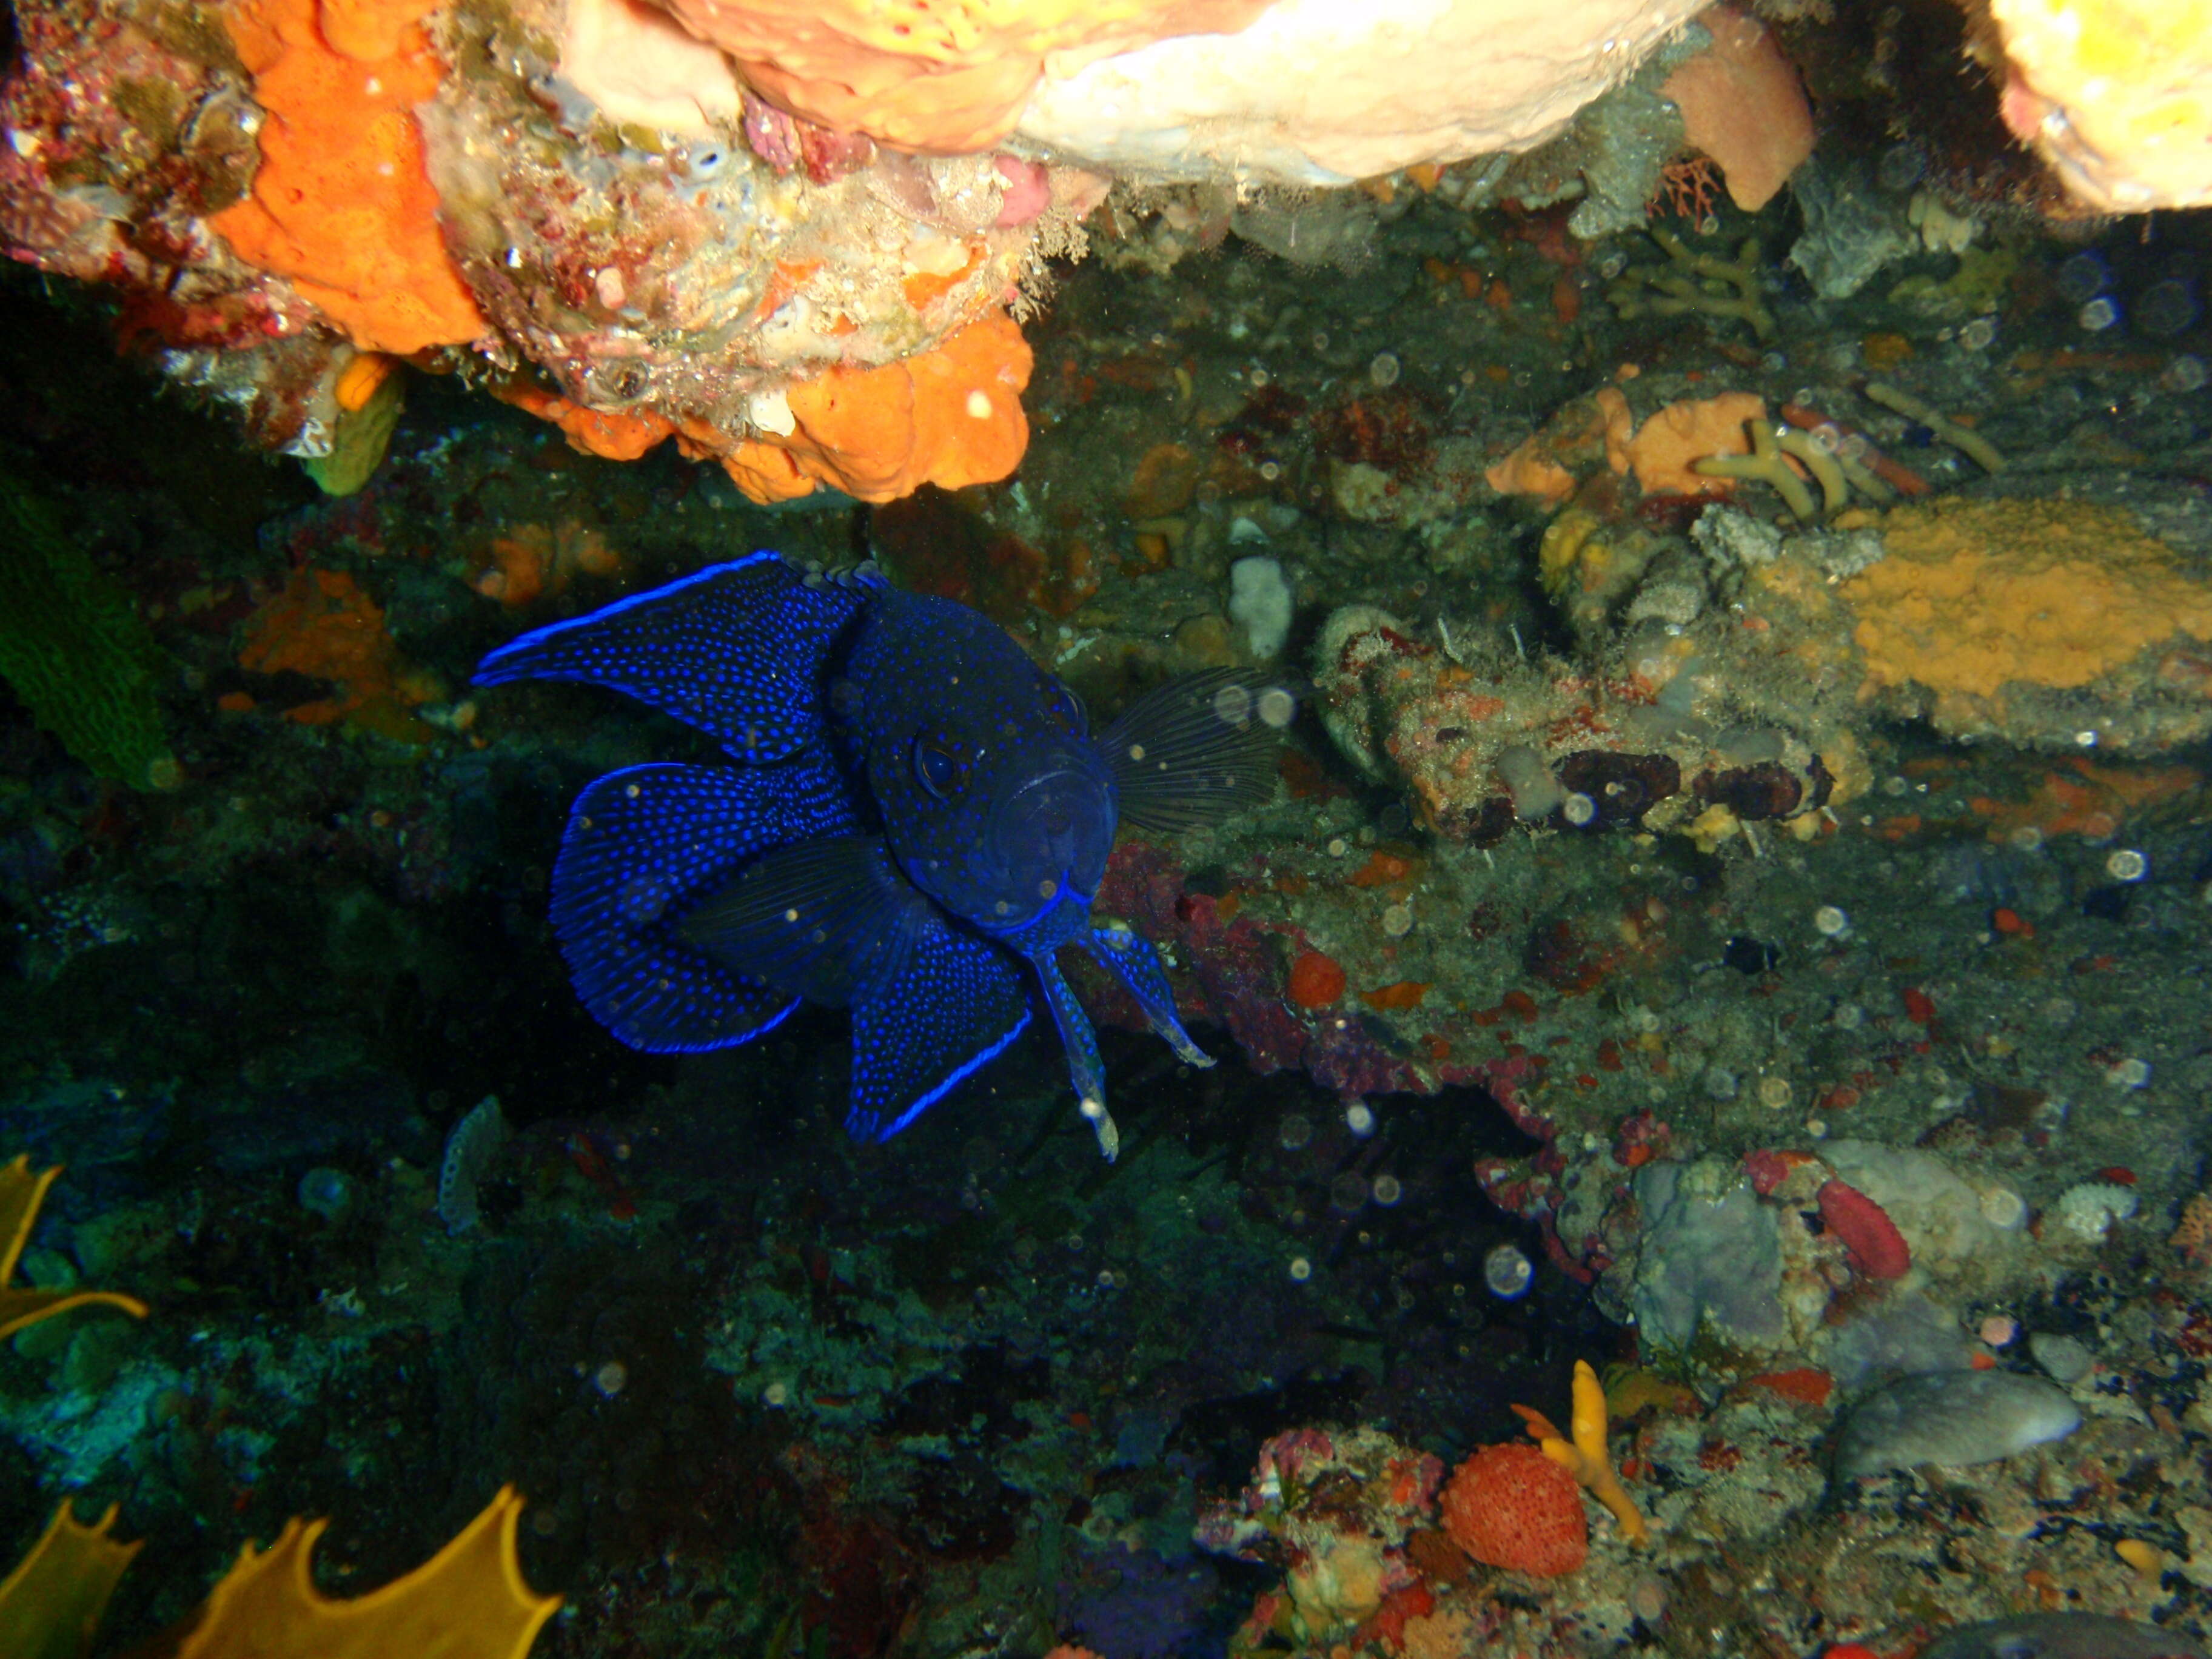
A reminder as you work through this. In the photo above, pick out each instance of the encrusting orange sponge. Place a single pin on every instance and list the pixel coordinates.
(950, 416)
(341, 202)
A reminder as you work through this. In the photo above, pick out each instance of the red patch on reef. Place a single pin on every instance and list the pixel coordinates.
(1877, 1249)
(1512, 1507)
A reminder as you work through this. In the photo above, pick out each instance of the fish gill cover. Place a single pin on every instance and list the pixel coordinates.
(917, 809)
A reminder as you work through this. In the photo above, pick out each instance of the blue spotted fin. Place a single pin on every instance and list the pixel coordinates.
(1192, 751)
(642, 846)
(736, 650)
(833, 919)
(1132, 959)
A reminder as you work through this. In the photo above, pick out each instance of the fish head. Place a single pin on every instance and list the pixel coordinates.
(994, 799)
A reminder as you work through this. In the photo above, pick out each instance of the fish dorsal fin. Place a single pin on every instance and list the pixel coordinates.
(823, 919)
(738, 650)
(641, 845)
(1196, 750)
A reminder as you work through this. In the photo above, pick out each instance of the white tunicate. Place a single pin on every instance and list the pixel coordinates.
(1260, 602)
(1536, 793)
(2099, 314)
(2089, 1209)
(2126, 864)
(1508, 1273)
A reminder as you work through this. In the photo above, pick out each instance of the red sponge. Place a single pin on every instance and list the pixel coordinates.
(1511, 1506)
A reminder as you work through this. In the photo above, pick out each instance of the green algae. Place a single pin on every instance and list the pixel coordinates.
(76, 650)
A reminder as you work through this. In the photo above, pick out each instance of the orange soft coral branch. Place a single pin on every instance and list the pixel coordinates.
(341, 202)
(1584, 1456)
(21, 1194)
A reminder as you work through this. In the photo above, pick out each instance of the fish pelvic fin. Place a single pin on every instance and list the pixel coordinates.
(1085, 1070)
(1130, 957)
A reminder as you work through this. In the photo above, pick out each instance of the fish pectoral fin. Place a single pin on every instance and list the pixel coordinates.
(1131, 958)
(737, 650)
(640, 843)
(945, 1004)
(1085, 1070)
(1194, 751)
(823, 919)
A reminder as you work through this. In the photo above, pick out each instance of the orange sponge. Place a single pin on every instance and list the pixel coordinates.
(341, 203)
(1512, 1507)
(950, 417)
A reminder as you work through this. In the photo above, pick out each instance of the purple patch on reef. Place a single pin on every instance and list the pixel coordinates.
(1135, 1606)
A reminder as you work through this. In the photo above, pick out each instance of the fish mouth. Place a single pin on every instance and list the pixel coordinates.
(1053, 834)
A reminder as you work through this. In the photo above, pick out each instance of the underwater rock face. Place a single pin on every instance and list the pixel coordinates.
(2061, 1635)
(1709, 1253)
(1952, 1417)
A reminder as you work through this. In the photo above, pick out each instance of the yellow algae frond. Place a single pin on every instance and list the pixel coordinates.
(1584, 1456)
(52, 1603)
(468, 1601)
(21, 1194)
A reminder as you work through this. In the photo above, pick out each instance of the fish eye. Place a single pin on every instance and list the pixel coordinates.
(942, 768)
(1062, 709)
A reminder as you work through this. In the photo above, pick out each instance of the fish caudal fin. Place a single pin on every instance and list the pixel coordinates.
(1085, 1070)
(641, 846)
(1192, 751)
(948, 1004)
(738, 651)
(1130, 959)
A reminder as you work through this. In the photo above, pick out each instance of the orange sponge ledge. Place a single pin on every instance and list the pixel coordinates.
(950, 416)
(341, 203)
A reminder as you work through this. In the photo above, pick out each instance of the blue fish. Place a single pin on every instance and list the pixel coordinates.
(918, 822)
